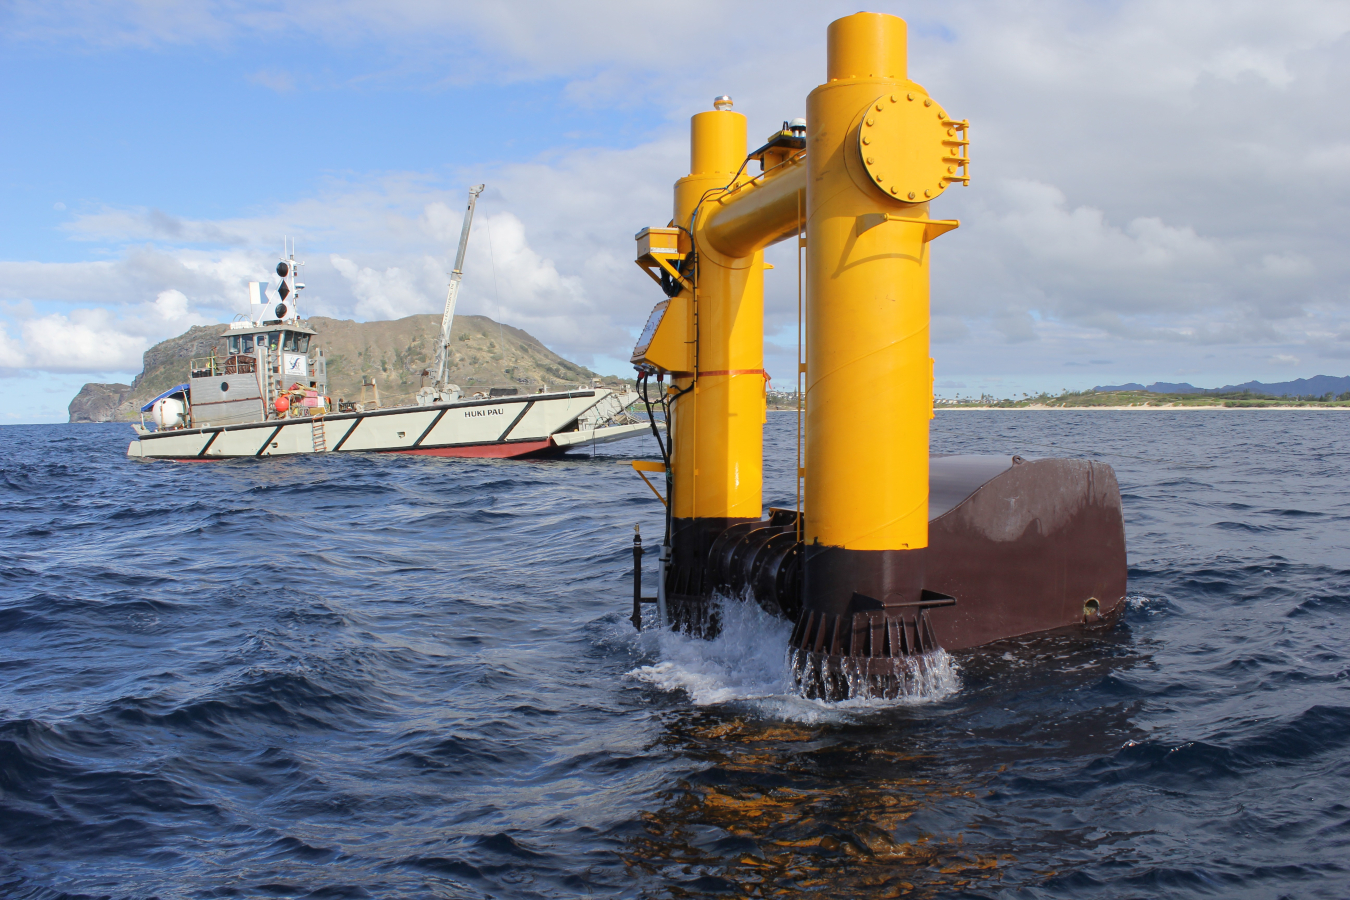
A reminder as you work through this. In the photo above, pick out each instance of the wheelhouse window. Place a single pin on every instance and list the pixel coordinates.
(302, 343)
(248, 343)
(234, 345)
(288, 341)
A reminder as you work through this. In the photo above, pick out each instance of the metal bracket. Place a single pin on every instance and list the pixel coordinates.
(663, 261)
(932, 228)
(957, 151)
(640, 466)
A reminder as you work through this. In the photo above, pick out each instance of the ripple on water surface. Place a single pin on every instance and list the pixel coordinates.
(376, 676)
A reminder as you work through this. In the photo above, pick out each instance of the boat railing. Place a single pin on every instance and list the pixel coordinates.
(211, 366)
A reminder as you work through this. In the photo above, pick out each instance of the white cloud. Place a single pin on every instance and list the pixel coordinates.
(1146, 178)
(389, 294)
(88, 338)
(1016, 327)
(172, 306)
(274, 79)
(520, 39)
(1288, 265)
(94, 340)
(1038, 219)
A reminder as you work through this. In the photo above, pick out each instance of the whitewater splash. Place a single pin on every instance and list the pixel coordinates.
(913, 677)
(749, 662)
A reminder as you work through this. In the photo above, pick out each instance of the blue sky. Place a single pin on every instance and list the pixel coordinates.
(1160, 189)
(212, 132)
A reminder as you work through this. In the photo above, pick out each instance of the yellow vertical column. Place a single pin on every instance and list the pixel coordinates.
(868, 398)
(717, 431)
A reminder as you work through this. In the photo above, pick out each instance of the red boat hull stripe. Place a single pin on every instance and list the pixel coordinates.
(487, 451)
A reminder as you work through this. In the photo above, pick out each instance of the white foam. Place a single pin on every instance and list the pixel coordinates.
(746, 661)
(749, 663)
(1145, 604)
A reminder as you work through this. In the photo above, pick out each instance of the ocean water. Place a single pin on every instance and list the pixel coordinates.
(382, 676)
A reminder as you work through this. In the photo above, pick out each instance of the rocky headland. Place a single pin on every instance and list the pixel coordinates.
(485, 354)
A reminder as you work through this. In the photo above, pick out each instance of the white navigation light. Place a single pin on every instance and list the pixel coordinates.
(722, 103)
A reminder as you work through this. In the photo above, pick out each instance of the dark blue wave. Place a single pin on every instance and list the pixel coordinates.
(399, 677)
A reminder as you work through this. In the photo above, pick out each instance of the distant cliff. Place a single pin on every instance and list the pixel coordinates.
(484, 354)
(1317, 386)
(99, 402)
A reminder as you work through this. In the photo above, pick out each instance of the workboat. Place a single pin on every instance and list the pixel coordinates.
(263, 391)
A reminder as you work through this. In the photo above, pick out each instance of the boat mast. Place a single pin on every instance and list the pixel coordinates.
(288, 269)
(443, 348)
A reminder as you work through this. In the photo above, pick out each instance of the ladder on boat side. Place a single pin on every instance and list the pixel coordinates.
(317, 434)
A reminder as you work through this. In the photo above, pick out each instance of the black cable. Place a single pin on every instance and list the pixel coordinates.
(665, 447)
(651, 417)
(728, 186)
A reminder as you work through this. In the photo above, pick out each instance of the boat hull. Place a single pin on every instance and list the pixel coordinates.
(501, 428)
(518, 450)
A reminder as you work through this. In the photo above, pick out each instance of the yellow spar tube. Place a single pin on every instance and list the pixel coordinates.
(718, 456)
(710, 335)
(716, 432)
(875, 155)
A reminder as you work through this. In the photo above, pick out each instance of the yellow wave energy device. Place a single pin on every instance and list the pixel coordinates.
(854, 182)
(879, 151)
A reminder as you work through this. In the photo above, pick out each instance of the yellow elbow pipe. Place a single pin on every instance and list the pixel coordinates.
(760, 212)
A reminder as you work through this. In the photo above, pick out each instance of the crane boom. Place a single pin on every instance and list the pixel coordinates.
(452, 294)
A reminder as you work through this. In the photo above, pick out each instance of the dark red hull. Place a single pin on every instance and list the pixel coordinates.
(1015, 547)
(511, 450)
(1028, 552)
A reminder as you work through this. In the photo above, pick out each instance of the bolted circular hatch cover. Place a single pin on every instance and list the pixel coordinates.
(909, 147)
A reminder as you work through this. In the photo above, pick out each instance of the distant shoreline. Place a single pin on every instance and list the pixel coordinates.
(1197, 408)
(1206, 408)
